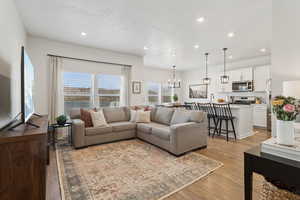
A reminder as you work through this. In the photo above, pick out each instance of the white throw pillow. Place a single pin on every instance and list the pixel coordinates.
(133, 115)
(143, 116)
(98, 119)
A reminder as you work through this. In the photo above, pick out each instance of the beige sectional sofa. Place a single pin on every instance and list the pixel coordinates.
(177, 131)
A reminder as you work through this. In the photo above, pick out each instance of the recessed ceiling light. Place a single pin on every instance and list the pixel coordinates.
(263, 50)
(83, 33)
(230, 57)
(196, 46)
(230, 34)
(146, 48)
(201, 19)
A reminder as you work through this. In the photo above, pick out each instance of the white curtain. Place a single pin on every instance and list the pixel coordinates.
(126, 86)
(56, 103)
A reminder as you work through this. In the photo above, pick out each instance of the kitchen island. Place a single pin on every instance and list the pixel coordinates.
(243, 121)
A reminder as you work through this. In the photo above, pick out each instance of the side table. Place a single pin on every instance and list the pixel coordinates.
(55, 126)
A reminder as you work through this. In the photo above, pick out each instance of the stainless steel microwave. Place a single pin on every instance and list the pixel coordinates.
(242, 86)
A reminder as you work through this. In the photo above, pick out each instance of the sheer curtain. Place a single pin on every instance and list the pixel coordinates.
(126, 85)
(56, 103)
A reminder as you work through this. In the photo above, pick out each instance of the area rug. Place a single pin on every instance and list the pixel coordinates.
(127, 170)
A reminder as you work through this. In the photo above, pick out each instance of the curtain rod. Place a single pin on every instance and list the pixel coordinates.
(87, 60)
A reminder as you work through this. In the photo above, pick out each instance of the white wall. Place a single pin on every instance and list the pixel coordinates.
(38, 48)
(12, 38)
(195, 76)
(285, 43)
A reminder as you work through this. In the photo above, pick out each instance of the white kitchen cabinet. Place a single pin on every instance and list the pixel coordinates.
(260, 115)
(244, 74)
(261, 76)
(247, 74)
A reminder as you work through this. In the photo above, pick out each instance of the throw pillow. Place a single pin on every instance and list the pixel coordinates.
(85, 116)
(147, 108)
(143, 116)
(98, 118)
(133, 115)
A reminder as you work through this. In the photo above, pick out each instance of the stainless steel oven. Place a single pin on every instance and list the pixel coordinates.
(242, 86)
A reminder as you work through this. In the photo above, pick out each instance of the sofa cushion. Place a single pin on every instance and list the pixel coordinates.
(152, 114)
(75, 113)
(98, 130)
(115, 114)
(197, 116)
(161, 132)
(180, 116)
(143, 127)
(122, 126)
(147, 127)
(163, 115)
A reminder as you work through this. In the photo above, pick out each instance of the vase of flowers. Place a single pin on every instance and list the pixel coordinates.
(286, 110)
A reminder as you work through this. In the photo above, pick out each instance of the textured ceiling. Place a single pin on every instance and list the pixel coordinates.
(164, 26)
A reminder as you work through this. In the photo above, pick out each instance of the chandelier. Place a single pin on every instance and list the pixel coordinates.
(174, 83)
(206, 80)
(224, 77)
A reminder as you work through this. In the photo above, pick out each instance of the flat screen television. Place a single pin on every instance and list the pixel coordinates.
(27, 87)
(5, 91)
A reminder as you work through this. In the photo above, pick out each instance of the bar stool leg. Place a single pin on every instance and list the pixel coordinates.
(227, 131)
(216, 128)
(209, 126)
(220, 128)
(233, 128)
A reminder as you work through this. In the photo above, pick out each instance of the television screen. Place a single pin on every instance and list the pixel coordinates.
(27, 86)
(5, 91)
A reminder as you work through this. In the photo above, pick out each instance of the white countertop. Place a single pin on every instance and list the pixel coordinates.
(239, 106)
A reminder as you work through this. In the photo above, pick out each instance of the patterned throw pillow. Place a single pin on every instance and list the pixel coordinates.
(85, 116)
(98, 119)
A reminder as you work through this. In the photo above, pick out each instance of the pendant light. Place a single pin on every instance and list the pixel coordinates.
(224, 77)
(174, 83)
(206, 80)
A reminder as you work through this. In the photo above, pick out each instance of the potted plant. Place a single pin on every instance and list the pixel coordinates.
(286, 110)
(61, 120)
(175, 98)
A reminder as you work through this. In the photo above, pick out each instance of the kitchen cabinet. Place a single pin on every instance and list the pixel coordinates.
(261, 77)
(260, 115)
(244, 74)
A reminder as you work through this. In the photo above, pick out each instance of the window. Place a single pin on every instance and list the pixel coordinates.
(166, 94)
(77, 90)
(84, 90)
(108, 90)
(158, 93)
(153, 93)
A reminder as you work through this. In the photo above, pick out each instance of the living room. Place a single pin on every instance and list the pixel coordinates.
(140, 100)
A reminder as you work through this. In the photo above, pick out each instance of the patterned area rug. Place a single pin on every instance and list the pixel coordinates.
(127, 170)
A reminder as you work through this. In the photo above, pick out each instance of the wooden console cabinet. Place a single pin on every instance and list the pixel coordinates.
(23, 162)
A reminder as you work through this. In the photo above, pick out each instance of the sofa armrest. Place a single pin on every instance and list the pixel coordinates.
(78, 130)
(188, 136)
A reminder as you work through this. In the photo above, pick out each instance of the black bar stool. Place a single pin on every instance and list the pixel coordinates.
(208, 108)
(190, 105)
(223, 113)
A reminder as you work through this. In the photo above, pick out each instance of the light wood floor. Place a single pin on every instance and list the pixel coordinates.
(226, 183)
